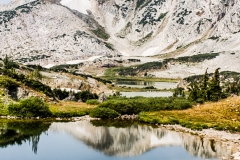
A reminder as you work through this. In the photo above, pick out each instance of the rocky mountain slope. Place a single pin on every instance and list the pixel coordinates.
(55, 31)
(34, 32)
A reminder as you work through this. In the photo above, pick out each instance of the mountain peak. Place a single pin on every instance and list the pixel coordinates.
(79, 5)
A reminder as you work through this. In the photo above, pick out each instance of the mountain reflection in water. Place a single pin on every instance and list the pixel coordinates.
(137, 139)
(114, 139)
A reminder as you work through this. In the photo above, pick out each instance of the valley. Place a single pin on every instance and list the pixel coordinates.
(134, 64)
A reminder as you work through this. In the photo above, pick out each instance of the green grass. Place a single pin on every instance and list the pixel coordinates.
(3, 107)
(70, 109)
(111, 74)
(223, 115)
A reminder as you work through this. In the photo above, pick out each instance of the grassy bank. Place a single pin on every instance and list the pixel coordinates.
(70, 109)
(222, 115)
(63, 109)
(121, 106)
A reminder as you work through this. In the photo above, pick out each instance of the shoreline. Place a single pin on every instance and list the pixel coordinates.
(222, 136)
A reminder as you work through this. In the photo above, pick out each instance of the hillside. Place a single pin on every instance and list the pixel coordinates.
(32, 32)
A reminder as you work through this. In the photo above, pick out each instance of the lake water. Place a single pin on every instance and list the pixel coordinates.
(147, 94)
(142, 84)
(96, 140)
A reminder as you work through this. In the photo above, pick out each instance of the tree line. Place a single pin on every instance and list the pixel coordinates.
(209, 88)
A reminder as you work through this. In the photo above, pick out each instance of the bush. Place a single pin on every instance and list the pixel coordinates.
(60, 94)
(121, 106)
(8, 83)
(93, 102)
(31, 107)
(200, 100)
(181, 104)
(139, 104)
(36, 85)
(104, 113)
(85, 95)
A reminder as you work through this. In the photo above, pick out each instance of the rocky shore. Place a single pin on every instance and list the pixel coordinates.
(223, 136)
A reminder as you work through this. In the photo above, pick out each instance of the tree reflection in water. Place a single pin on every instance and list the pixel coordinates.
(113, 138)
(18, 132)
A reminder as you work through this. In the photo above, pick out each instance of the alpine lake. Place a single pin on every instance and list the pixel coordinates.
(103, 140)
(106, 140)
(142, 84)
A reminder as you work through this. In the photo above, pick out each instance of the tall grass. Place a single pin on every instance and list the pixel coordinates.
(222, 115)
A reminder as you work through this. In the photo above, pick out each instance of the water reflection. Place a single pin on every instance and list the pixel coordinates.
(136, 139)
(18, 132)
(119, 140)
(147, 94)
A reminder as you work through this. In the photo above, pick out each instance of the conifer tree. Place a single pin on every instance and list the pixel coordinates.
(6, 62)
(215, 89)
(194, 91)
(204, 86)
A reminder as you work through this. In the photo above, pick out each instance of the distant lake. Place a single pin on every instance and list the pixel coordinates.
(84, 140)
(147, 94)
(142, 84)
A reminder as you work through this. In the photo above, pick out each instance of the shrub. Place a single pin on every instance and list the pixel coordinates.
(104, 113)
(139, 104)
(60, 94)
(8, 83)
(93, 102)
(85, 95)
(200, 100)
(31, 107)
(181, 104)
(34, 84)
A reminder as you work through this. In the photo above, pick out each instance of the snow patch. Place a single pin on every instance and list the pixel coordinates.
(79, 5)
(70, 89)
(150, 51)
(83, 60)
(49, 66)
(124, 53)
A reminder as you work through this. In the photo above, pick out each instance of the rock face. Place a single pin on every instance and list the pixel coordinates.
(159, 26)
(33, 32)
(54, 31)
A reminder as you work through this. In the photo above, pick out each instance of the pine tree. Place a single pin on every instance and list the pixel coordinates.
(194, 91)
(215, 89)
(204, 86)
(178, 92)
(6, 62)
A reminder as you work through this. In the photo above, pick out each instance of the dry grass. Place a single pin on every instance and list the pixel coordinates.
(221, 115)
(70, 109)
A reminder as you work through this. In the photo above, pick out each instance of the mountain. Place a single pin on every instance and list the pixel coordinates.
(45, 32)
(54, 31)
